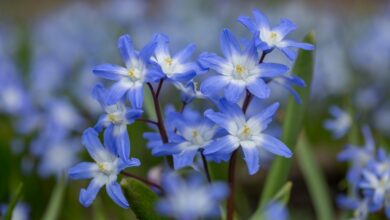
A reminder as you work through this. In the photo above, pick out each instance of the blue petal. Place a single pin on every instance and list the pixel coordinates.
(117, 91)
(122, 141)
(275, 146)
(102, 122)
(166, 149)
(305, 46)
(183, 77)
(261, 19)
(91, 141)
(184, 158)
(233, 92)
(229, 44)
(83, 170)
(148, 51)
(154, 73)
(109, 71)
(219, 190)
(223, 145)
(136, 96)
(213, 61)
(285, 26)
(259, 88)
(184, 54)
(162, 49)
(87, 196)
(132, 162)
(248, 23)
(109, 139)
(262, 119)
(251, 156)
(127, 50)
(99, 93)
(212, 85)
(115, 192)
(133, 114)
(272, 69)
(291, 55)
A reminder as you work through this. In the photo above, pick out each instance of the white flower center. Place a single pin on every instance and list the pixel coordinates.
(272, 38)
(245, 133)
(108, 168)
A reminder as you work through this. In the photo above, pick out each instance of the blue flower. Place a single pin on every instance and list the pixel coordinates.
(175, 68)
(103, 172)
(130, 79)
(246, 133)
(240, 70)
(193, 134)
(341, 123)
(192, 198)
(268, 38)
(189, 91)
(359, 157)
(115, 121)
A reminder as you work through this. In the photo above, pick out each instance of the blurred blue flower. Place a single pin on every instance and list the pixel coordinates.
(341, 123)
(268, 38)
(103, 172)
(246, 133)
(192, 198)
(20, 212)
(115, 122)
(175, 68)
(51, 163)
(130, 79)
(239, 71)
(359, 157)
(276, 211)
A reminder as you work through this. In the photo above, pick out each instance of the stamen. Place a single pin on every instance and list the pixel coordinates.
(239, 69)
(169, 61)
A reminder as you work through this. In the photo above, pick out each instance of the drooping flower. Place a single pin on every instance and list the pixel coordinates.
(341, 123)
(268, 38)
(115, 122)
(175, 68)
(104, 171)
(193, 133)
(130, 79)
(192, 198)
(245, 133)
(238, 71)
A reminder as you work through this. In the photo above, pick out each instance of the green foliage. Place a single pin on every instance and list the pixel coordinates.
(14, 201)
(141, 199)
(54, 207)
(315, 180)
(293, 123)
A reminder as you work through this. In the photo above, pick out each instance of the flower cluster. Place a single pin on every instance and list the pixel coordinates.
(188, 135)
(368, 178)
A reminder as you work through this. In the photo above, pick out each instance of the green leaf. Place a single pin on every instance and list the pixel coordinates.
(283, 196)
(54, 208)
(141, 199)
(293, 123)
(315, 180)
(14, 201)
(149, 105)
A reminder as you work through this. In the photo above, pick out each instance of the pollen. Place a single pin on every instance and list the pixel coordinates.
(102, 168)
(273, 35)
(246, 130)
(168, 61)
(131, 73)
(112, 117)
(240, 69)
(195, 133)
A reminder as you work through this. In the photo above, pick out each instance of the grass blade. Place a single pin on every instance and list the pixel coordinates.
(14, 201)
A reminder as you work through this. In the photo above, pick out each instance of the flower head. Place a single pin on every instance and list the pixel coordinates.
(341, 123)
(245, 133)
(268, 38)
(175, 68)
(115, 122)
(130, 79)
(104, 171)
(190, 199)
(238, 71)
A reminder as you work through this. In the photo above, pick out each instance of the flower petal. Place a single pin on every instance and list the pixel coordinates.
(127, 50)
(91, 141)
(87, 196)
(184, 158)
(136, 96)
(229, 44)
(117, 91)
(234, 91)
(251, 156)
(273, 145)
(83, 170)
(259, 88)
(115, 192)
(223, 145)
(212, 85)
(110, 71)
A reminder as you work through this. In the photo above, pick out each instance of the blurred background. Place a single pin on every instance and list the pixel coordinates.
(48, 49)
